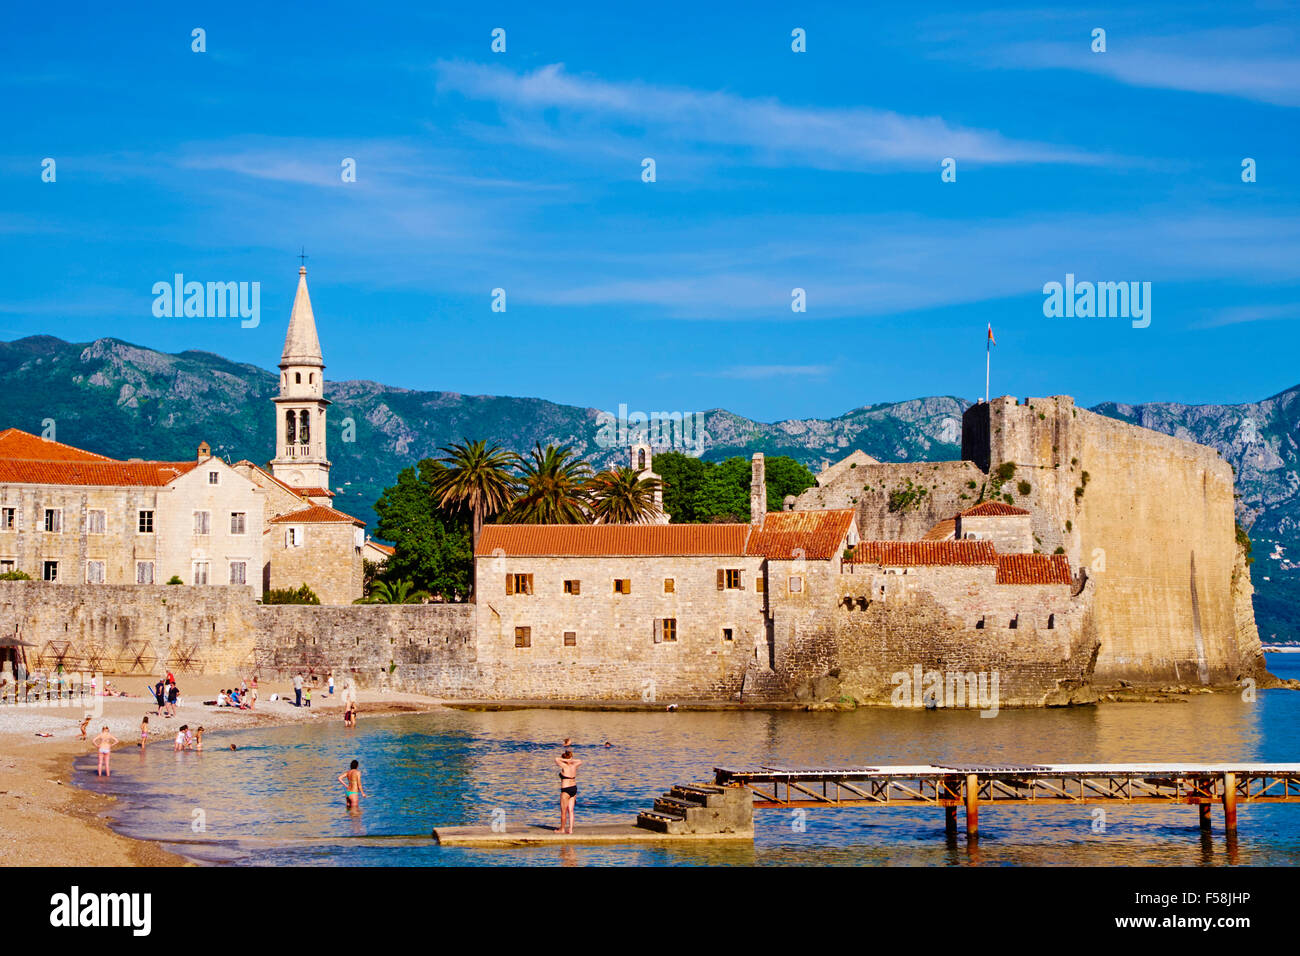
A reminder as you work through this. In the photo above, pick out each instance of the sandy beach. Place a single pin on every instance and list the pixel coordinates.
(46, 821)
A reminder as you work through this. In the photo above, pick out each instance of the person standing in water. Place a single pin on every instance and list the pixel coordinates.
(104, 741)
(568, 765)
(144, 731)
(351, 779)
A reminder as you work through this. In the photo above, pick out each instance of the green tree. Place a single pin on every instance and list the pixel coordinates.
(622, 496)
(478, 478)
(724, 493)
(552, 488)
(433, 545)
(299, 595)
(785, 476)
(395, 592)
(683, 476)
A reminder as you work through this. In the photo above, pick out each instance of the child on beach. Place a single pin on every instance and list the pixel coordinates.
(306, 694)
(144, 731)
(104, 741)
(198, 739)
(81, 731)
(179, 745)
(351, 779)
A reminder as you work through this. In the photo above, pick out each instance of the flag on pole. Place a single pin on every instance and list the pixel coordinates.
(992, 340)
(988, 351)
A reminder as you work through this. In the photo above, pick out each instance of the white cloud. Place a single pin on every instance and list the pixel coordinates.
(773, 132)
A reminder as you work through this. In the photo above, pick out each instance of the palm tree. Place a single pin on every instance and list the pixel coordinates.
(399, 592)
(477, 478)
(552, 488)
(622, 496)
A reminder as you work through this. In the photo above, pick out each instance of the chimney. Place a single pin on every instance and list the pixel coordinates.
(204, 451)
(757, 491)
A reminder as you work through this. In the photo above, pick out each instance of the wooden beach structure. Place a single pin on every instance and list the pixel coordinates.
(724, 809)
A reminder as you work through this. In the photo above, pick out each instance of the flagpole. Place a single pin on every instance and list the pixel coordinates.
(988, 350)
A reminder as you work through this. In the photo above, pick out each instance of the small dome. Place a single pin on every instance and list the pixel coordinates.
(788, 502)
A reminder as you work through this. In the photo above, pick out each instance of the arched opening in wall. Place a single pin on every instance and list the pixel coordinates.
(640, 459)
(290, 427)
(1051, 621)
(297, 378)
(304, 427)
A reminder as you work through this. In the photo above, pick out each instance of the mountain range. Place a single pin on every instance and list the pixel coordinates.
(127, 401)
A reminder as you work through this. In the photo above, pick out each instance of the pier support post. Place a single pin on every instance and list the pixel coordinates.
(950, 821)
(1205, 817)
(1230, 803)
(972, 807)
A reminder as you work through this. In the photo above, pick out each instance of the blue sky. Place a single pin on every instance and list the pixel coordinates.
(522, 170)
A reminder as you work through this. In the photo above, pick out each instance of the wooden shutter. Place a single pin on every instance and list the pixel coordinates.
(741, 576)
(510, 584)
(760, 584)
(722, 578)
(577, 587)
(659, 630)
(528, 584)
(627, 585)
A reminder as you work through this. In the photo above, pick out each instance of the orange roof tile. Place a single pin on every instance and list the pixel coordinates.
(992, 509)
(816, 533)
(16, 443)
(914, 553)
(314, 492)
(613, 540)
(1033, 569)
(942, 531)
(106, 473)
(388, 549)
(316, 514)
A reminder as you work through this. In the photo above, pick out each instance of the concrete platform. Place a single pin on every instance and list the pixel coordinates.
(536, 834)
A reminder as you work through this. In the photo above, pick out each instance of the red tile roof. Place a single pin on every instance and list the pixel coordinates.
(15, 443)
(316, 514)
(992, 509)
(915, 553)
(102, 473)
(1033, 569)
(387, 549)
(313, 492)
(818, 534)
(613, 540)
(942, 531)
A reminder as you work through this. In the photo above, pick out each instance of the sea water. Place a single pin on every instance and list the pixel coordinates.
(276, 799)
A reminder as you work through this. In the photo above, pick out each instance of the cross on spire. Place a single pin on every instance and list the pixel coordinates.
(302, 257)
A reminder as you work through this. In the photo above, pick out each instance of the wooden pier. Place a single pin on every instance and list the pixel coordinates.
(968, 786)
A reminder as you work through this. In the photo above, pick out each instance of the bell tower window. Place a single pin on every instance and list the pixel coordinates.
(290, 430)
(304, 427)
(297, 378)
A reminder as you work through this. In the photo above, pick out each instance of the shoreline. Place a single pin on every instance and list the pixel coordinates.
(47, 820)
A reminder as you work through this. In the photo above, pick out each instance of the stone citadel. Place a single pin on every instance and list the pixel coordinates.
(1064, 552)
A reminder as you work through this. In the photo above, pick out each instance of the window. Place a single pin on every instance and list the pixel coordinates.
(54, 520)
(728, 634)
(796, 583)
(144, 572)
(290, 427)
(640, 459)
(1014, 622)
(979, 625)
(145, 525)
(8, 519)
(572, 587)
(297, 378)
(304, 427)
(202, 522)
(238, 572)
(94, 572)
(622, 585)
(523, 637)
(96, 522)
(1051, 621)
(730, 579)
(6, 565)
(293, 537)
(665, 630)
(519, 584)
(214, 477)
(238, 522)
(201, 572)
(49, 570)
(570, 638)
(760, 584)
(669, 585)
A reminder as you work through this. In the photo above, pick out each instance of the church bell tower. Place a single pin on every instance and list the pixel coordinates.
(300, 460)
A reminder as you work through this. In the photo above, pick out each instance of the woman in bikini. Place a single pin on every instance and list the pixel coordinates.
(568, 765)
(351, 779)
(104, 741)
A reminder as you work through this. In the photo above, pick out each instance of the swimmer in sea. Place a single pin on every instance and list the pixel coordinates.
(351, 779)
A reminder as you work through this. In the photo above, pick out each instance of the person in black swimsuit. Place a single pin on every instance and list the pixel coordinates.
(568, 765)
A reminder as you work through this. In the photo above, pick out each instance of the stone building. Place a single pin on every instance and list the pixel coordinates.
(75, 517)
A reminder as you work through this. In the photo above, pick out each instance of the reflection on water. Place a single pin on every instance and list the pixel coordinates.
(276, 799)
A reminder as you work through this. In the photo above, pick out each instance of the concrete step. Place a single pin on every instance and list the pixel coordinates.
(661, 822)
(703, 795)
